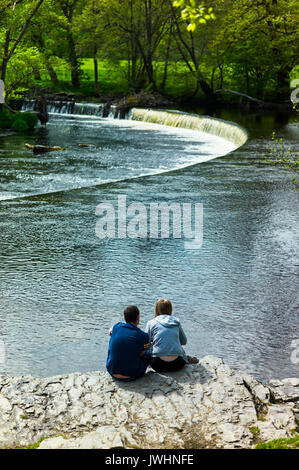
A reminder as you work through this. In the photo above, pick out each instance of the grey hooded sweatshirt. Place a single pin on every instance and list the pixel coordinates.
(166, 336)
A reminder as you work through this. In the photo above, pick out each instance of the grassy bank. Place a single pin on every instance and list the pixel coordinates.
(179, 85)
(113, 79)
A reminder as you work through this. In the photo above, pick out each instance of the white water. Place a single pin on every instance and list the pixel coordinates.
(227, 130)
(195, 146)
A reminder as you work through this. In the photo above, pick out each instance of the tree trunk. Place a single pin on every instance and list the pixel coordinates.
(3, 69)
(51, 72)
(5, 56)
(207, 90)
(148, 55)
(164, 79)
(188, 54)
(96, 70)
(75, 74)
(283, 84)
(37, 75)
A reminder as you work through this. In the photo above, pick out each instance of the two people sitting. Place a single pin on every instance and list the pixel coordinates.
(132, 350)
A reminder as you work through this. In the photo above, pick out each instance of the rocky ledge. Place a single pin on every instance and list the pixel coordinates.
(206, 405)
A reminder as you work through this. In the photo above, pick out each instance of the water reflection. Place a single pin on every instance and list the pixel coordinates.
(61, 287)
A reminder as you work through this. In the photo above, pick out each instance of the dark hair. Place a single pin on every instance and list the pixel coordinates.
(131, 313)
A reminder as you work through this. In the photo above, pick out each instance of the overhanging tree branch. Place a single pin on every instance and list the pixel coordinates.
(24, 29)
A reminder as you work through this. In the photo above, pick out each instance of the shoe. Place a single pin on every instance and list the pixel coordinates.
(192, 360)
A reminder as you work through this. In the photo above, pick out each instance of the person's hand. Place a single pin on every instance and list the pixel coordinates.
(110, 331)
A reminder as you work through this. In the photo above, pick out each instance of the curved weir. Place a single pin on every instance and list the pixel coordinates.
(214, 126)
(225, 129)
(151, 142)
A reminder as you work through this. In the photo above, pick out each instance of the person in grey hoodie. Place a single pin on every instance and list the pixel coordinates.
(166, 338)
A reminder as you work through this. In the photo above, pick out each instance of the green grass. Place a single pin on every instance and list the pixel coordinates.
(180, 82)
(112, 78)
(255, 431)
(36, 444)
(283, 443)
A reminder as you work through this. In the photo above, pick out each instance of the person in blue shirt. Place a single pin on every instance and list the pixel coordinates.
(128, 351)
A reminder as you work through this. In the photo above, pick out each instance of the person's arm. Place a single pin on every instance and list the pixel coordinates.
(146, 345)
(183, 337)
(111, 329)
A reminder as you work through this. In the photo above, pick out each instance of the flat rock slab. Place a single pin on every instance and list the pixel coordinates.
(285, 390)
(205, 405)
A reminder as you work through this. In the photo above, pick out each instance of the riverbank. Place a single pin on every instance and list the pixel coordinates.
(123, 102)
(206, 405)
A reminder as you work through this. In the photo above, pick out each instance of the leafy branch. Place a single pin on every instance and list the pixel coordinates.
(194, 13)
(279, 154)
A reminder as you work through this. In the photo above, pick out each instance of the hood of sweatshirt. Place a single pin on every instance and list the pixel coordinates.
(167, 320)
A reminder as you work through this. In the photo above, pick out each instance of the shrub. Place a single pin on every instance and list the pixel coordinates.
(6, 119)
(18, 122)
(30, 119)
(19, 125)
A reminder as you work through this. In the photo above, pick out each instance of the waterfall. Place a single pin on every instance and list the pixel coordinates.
(60, 107)
(218, 127)
(227, 130)
(28, 105)
(113, 113)
(66, 107)
(71, 107)
(88, 109)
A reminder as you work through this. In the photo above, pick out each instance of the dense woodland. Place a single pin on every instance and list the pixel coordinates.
(172, 47)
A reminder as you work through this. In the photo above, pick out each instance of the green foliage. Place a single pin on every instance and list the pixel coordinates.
(279, 154)
(6, 119)
(18, 122)
(36, 444)
(179, 47)
(255, 431)
(19, 125)
(194, 13)
(258, 40)
(30, 119)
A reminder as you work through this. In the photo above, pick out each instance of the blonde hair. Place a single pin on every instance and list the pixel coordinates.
(163, 307)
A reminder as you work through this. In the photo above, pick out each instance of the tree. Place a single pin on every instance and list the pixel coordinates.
(89, 33)
(66, 11)
(15, 21)
(259, 42)
(192, 46)
(140, 26)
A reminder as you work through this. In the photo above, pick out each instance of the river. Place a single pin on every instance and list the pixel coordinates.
(62, 287)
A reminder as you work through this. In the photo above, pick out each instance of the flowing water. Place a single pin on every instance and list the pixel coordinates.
(62, 288)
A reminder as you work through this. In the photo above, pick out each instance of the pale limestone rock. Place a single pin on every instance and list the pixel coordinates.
(285, 390)
(206, 404)
(5, 406)
(293, 381)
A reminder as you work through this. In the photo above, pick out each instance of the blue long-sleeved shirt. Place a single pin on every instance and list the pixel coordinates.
(126, 343)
